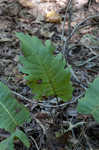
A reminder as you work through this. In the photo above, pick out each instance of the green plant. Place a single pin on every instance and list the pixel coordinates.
(45, 72)
(8, 144)
(46, 76)
(12, 116)
(90, 103)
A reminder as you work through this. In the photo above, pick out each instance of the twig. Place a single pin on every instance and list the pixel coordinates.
(75, 77)
(78, 25)
(71, 126)
(87, 140)
(23, 98)
(35, 143)
(47, 106)
(70, 19)
(79, 138)
(40, 124)
(65, 44)
(63, 27)
(90, 59)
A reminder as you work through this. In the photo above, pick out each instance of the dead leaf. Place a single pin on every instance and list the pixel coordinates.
(46, 34)
(27, 3)
(53, 17)
(5, 40)
(42, 115)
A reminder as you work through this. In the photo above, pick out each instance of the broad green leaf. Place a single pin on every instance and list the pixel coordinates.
(23, 138)
(49, 46)
(90, 103)
(45, 72)
(12, 113)
(8, 144)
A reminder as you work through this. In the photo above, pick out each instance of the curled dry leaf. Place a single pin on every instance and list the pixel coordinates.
(53, 17)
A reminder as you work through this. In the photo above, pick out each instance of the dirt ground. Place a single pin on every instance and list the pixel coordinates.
(33, 17)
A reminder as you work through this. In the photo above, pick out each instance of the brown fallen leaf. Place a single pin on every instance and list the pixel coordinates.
(42, 115)
(53, 17)
(27, 3)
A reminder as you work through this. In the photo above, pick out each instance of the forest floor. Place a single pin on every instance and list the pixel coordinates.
(32, 17)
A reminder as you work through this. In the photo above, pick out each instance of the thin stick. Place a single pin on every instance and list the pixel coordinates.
(40, 124)
(87, 61)
(78, 25)
(22, 97)
(88, 143)
(47, 106)
(65, 47)
(63, 27)
(71, 126)
(35, 143)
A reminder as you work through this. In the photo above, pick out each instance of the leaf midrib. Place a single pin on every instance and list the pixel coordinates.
(44, 71)
(9, 114)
